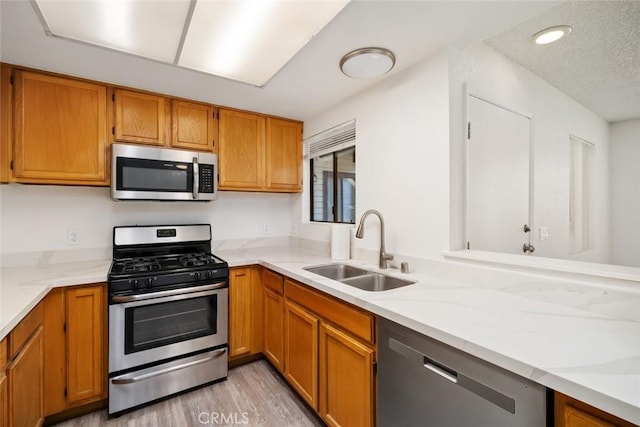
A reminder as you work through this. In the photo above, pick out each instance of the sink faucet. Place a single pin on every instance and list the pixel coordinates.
(384, 256)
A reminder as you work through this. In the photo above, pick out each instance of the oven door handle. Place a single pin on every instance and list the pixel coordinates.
(170, 292)
(130, 380)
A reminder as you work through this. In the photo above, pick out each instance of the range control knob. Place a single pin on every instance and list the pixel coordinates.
(134, 283)
(209, 274)
(196, 275)
(149, 281)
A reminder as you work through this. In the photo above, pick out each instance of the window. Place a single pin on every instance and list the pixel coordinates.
(332, 165)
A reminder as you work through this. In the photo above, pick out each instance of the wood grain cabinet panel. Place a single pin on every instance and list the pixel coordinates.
(273, 324)
(241, 150)
(75, 325)
(240, 313)
(283, 155)
(60, 130)
(26, 384)
(85, 335)
(301, 352)
(141, 117)
(346, 379)
(4, 385)
(193, 126)
(570, 412)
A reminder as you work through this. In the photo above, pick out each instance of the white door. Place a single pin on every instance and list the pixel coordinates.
(497, 178)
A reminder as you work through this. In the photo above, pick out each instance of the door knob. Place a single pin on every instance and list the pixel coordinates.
(526, 228)
(527, 247)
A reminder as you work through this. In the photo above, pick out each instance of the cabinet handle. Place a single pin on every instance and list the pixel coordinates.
(196, 178)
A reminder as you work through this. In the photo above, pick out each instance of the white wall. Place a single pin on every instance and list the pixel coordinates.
(625, 192)
(555, 117)
(402, 160)
(36, 218)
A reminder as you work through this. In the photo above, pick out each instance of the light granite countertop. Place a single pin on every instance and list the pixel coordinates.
(577, 338)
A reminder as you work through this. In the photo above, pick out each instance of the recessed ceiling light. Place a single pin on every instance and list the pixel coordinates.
(367, 62)
(551, 34)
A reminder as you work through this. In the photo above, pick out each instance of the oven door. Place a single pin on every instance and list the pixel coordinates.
(151, 327)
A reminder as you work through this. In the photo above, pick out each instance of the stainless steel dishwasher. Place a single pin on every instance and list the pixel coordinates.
(423, 382)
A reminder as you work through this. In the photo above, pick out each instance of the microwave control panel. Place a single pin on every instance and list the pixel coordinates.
(206, 178)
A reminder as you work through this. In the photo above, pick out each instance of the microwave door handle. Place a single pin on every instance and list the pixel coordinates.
(196, 178)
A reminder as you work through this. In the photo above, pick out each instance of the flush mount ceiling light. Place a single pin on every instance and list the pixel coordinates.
(367, 62)
(244, 40)
(551, 34)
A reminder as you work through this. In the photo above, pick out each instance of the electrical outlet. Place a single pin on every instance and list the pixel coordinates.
(73, 237)
(294, 228)
(266, 229)
(543, 233)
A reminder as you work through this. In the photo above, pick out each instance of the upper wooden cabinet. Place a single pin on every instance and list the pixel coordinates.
(283, 155)
(193, 126)
(259, 153)
(60, 130)
(141, 117)
(241, 151)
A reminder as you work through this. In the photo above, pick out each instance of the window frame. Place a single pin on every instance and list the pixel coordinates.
(335, 181)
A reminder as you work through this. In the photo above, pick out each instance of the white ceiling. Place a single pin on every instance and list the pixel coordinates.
(309, 84)
(598, 64)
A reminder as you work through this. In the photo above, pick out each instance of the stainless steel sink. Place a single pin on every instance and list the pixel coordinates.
(376, 282)
(337, 271)
(359, 277)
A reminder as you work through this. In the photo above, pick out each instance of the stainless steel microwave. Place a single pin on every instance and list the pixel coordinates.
(152, 173)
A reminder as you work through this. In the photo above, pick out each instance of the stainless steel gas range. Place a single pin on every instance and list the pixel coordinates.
(168, 305)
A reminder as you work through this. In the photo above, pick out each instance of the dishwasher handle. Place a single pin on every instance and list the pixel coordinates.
(482, 390)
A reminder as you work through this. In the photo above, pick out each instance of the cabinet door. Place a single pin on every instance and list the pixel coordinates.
(240, 312)
(141, 117)
(273, 322)
(193, 126)
(301, 352)
(60, 130)
(283, 155)
(241, 150)
(4, 400)
(26, 384)
(570, 412)
(55, 347)
(346, 379)
(85, 342)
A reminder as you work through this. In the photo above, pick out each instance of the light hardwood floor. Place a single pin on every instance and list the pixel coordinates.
(253, 395)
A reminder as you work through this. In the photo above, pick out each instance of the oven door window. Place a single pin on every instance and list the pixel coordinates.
(153, 175)
(156, 325)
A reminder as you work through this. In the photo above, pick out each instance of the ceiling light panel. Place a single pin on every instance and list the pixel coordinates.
(250, 40)
(147, 28)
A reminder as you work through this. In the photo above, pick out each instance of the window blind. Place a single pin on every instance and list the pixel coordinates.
(334, 139)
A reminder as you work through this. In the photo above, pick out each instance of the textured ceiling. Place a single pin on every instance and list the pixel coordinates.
(598, 64)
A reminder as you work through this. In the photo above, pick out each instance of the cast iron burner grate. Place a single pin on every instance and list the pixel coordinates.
(141, 264)
(195, 260)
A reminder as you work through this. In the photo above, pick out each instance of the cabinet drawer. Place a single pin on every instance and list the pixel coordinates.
(21, 333)
(3, 356)
(272, 281)
(349, 318)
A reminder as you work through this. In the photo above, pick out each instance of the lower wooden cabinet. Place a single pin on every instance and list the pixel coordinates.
(301, 351)
(4, 400)
(75, 343)
(273, 328)
(329, 355)
(25, 383)
(570, 412)
(245, 312)
(346, 379)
